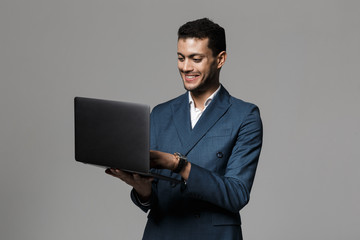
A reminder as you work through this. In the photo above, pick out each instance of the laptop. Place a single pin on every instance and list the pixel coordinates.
(114, 134)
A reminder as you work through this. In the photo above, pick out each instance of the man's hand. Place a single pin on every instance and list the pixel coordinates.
(142, 185)
(163, 160)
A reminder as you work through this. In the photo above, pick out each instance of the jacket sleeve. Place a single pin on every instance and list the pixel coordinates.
(231, 190)
(143, 206)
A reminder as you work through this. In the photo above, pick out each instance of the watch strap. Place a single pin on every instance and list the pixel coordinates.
(182, 162)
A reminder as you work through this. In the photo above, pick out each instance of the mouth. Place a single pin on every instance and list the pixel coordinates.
(191, 77)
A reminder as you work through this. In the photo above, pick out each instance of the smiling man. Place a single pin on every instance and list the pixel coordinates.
(199, 67)
(206, 138)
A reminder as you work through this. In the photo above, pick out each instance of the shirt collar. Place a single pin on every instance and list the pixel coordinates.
(208, 100)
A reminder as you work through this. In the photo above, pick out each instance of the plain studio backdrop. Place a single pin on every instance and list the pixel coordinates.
(298, 61)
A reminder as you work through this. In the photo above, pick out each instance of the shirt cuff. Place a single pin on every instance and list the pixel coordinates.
(144, 204)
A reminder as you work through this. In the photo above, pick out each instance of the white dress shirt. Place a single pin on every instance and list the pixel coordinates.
(195, 113)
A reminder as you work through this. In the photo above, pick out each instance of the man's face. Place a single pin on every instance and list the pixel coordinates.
(197, 65)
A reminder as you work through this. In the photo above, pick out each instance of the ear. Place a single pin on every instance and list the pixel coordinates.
(221, 58)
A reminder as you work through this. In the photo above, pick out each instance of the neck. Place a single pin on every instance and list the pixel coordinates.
(200, 97)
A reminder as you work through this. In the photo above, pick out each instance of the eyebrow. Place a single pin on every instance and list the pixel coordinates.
(192, 55)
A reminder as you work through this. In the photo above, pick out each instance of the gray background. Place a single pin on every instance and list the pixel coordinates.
(298, 60)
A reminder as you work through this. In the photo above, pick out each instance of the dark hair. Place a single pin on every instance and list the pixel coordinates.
(205, 28)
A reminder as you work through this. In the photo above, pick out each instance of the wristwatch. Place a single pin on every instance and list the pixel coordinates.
(182, 162)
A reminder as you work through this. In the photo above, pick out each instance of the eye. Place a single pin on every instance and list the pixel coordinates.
(197, 60)
(180, 59)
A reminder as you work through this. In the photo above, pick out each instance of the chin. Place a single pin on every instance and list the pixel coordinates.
(190, 87)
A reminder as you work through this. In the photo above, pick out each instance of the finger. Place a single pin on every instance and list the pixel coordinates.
(119, 174)
(154, 154)
(138, 178)
(110, 172)
(122, 175)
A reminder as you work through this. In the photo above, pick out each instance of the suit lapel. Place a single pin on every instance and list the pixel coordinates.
(181, 118)
(181, 113)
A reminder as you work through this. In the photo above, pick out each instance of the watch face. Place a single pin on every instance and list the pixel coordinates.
(181, 156)
(182, 162)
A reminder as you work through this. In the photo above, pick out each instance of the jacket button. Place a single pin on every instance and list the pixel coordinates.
(219, 154)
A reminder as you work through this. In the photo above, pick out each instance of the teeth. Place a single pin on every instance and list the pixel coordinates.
(190, 77)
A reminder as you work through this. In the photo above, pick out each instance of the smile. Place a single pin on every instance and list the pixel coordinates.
(191, 77)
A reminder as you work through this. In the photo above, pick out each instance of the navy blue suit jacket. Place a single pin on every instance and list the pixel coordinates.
(223, 148)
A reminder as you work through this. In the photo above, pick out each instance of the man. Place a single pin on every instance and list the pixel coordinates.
(216, 139)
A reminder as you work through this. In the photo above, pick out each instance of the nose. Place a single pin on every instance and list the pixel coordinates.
(186, 66)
